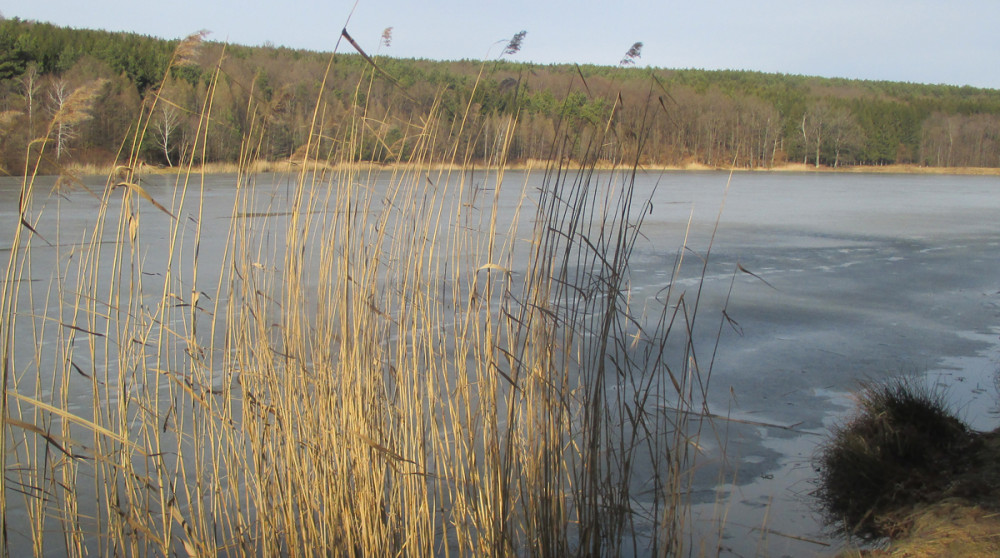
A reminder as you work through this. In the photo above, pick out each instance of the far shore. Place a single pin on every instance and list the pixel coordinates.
(528, 164)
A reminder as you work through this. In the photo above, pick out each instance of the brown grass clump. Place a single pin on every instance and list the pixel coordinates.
(900, 451)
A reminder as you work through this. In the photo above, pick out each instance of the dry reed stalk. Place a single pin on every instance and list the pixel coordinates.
(392, 363)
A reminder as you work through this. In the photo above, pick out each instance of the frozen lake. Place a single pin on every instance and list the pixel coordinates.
(854, 277)
(859, 277)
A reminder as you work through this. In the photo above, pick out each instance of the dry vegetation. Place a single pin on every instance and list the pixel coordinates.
(386, 365)
(906, 471)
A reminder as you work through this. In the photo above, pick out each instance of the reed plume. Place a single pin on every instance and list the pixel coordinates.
(514, 45)
(78, 104)
(634, 53)
(187, 50)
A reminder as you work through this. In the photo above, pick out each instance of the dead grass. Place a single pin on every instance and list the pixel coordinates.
(947, 529)
(950, 528)
(378, 362)
(918, 478)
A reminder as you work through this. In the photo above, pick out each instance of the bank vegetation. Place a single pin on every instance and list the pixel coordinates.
(709, 118)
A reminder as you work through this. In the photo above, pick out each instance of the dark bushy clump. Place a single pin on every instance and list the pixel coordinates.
(898, 451)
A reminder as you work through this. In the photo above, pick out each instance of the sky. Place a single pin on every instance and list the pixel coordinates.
(922, 41)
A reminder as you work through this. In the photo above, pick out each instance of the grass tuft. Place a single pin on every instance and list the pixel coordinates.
(897, 452)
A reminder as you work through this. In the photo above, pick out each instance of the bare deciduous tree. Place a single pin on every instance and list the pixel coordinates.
(815, 126)
(168, 119)
(69, 110)
(63, 131)
(30, 86)
(845, 134)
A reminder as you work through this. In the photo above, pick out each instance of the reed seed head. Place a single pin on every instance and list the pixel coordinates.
(633, 53)
(77, 107)
(514, 45)
(187, 50)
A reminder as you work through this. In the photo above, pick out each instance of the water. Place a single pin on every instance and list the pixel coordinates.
(848, 277)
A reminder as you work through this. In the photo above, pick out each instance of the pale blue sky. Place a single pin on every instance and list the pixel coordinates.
(927, 41)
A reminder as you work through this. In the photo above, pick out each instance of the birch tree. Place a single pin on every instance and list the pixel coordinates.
(69, 110)
(167, 122)
(30, 87)
(62, 131)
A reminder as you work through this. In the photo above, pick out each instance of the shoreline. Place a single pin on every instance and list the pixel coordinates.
(530, 165)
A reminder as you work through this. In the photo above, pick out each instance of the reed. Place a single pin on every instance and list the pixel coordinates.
(377, 361)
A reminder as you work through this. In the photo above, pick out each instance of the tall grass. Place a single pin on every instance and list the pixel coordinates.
(370, 363)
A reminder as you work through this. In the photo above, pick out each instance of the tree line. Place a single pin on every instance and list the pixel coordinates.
(715, 118)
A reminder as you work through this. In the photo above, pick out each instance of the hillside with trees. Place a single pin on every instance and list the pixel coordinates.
(714, 118)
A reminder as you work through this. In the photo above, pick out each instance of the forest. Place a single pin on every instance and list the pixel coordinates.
(683, 116)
